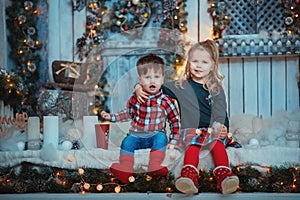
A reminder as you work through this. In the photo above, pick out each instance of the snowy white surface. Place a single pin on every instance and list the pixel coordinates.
(102, 158)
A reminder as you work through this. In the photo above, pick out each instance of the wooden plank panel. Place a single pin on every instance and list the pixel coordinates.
(278, 84)
(236, 99)
(53, 40)
(264, 87)
(3, 38)
(292, 87)
(250, 85)
(66, 30)
(224, 70)
(192, 18)
(205, 22)
(79, 29)
(110, 66)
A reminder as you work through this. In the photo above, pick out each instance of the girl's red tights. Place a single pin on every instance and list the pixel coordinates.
(218, 152)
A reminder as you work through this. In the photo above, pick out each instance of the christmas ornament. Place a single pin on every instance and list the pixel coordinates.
(31, 31)
(28, 5)
(21, 145)
(66, 145)
(253, 142)
(22, 19)
(31, 67)
(135, 2)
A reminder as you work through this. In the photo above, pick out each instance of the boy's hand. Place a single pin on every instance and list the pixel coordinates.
(105, 115)
(140, 93)
(170, 146)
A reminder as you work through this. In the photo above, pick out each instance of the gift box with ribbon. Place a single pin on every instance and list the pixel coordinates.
(68, 72)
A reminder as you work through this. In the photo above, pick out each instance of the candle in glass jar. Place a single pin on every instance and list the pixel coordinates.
(33, 128)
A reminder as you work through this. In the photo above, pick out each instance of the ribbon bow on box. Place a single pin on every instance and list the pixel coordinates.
(71, 67)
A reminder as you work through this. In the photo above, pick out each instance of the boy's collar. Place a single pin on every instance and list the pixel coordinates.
(157, 94)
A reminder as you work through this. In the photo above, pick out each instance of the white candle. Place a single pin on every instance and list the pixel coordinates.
(51, 130)
(89, 132)
(33, 128)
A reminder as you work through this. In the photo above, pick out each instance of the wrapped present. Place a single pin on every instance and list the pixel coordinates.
(67, 72)
(63, 103)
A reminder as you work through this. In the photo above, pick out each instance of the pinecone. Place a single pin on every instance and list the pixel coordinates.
(20, 187)
(76, 187)
(76, 145)
(41, 186)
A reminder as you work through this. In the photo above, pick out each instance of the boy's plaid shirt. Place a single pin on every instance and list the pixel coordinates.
(151, 116)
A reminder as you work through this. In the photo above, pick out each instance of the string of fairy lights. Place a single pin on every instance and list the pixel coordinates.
(26, 177)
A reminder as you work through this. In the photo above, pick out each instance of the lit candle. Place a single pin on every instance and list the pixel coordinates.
(33, 128)
(51, 130)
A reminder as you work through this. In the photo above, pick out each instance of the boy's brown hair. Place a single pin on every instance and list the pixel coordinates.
(149, 61)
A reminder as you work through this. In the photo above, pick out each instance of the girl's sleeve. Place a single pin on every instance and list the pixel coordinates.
(167, 89)
(173, 119)
(219, 109)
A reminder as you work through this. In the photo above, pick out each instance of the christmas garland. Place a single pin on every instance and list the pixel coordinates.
(126, 15)
(24, 44)
(219, 15)
(30, 178)
(291, 15)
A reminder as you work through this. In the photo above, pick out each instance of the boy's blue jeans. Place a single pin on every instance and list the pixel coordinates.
(135, 141)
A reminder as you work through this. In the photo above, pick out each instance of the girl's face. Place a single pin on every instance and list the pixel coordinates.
(151, 81)
(200, 65)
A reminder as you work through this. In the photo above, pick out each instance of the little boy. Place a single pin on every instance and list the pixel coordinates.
(148, 121)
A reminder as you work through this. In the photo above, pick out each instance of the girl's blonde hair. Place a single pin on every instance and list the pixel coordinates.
(214, 81)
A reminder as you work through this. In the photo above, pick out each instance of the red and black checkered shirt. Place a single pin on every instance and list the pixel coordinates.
(151, 116)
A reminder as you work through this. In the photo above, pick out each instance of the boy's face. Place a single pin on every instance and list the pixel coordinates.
(151, 81)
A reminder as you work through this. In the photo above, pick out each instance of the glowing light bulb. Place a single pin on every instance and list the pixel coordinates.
(148, 178)
(86, 186)
(80, 171)
(118, 189)
(131, 179)
(99, 187)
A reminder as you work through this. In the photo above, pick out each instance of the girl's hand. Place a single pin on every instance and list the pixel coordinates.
(222, 131)
(140, 93)
(105, 115)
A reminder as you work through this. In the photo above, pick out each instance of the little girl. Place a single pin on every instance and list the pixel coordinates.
(202, 103)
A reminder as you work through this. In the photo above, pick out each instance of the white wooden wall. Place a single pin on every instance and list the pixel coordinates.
(3, 43)
(65, 26)
(259, 86)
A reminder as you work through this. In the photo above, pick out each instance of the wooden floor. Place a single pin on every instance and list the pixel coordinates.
(154, 196)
